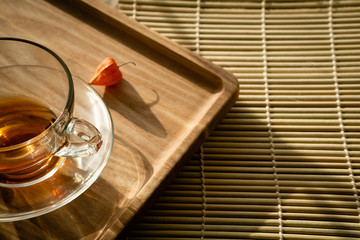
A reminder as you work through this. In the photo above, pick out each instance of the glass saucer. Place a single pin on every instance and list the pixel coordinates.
(74, 176)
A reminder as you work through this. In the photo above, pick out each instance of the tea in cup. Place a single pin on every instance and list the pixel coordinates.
(37, 128)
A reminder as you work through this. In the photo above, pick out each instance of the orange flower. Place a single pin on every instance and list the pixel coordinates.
(107, 73)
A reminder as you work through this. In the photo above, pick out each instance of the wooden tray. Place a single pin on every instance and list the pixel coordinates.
(162, 111)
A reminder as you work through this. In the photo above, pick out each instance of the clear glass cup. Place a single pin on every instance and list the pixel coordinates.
(28, 69)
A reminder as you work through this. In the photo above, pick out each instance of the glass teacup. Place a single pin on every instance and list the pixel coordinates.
(37, 129)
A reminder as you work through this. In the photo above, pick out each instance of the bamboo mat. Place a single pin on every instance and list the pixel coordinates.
(285, 161)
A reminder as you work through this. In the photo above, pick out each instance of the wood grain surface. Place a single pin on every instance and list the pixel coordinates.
(162, 110)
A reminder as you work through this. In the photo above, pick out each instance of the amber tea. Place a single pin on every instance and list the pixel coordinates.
(21, 119)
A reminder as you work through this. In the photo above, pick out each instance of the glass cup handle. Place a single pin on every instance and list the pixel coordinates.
(82, 139)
